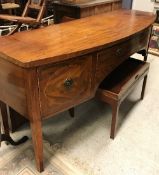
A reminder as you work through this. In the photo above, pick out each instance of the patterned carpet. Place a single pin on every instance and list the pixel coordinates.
(20, 160)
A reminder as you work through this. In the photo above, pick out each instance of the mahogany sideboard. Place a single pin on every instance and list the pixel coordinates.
(82, 8)
(49, 70)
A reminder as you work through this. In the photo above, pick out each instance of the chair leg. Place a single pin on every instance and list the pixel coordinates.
(6, 136)
(115, 110)
(143, 87)
(72, 112)
(15, 29)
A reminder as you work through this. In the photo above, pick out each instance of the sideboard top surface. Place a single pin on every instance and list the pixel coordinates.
(67, 40)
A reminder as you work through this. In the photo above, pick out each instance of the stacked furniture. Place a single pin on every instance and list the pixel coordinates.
(9, 6)
(76, 9)
(38, 5)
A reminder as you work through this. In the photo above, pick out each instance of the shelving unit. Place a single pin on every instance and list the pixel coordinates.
(154, 42)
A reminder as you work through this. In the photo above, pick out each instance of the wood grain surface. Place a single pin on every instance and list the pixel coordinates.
(111, 58)
(86, 3)
(82, 8)
(63, 41)
(65, 84)
(12, 90)
(49, 70)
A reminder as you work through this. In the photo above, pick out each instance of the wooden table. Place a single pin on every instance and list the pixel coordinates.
(83, 8)
(49, 70)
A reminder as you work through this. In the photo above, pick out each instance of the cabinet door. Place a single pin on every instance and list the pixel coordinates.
(65, 84)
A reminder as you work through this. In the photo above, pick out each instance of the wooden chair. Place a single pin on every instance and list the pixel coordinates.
(118, 85)
(9, 5)
(38, 5)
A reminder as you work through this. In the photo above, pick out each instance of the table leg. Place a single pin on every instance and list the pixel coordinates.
(6, 136)
(143, 87)
(36, 128)
(115, 110)
(4, 118)
(34, 114)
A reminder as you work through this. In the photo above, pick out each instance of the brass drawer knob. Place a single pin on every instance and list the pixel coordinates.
(118, 51)
(68, 83)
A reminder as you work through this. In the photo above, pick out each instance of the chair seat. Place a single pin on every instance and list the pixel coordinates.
(123, 78)
(39, 6)
(26, 20)
(7, 6)
(117, 86)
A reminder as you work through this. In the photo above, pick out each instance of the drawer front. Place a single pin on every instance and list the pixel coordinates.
(64, 85)
(111, 58)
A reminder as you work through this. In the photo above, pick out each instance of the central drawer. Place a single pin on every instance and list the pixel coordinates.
(65, 84)
(111, 58)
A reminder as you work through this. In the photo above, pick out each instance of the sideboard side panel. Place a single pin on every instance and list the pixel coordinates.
(12, 90)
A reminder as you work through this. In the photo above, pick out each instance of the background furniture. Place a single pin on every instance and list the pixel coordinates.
(86, 8)
(43, 76)
(9, 6)
(154, 42)
(118, 85)
(38, 5)
(127, 4)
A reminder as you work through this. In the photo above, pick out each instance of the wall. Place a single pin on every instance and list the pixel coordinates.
(143, 5)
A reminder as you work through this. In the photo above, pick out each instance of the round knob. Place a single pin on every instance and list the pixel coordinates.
(68, 83)
(118, 51)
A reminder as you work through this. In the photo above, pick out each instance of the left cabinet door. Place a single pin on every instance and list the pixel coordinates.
(64, 85)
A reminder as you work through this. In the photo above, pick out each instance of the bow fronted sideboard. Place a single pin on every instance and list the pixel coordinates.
(46, 71)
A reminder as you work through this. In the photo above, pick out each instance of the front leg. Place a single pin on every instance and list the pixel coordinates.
(36, 128)
(34, 113)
